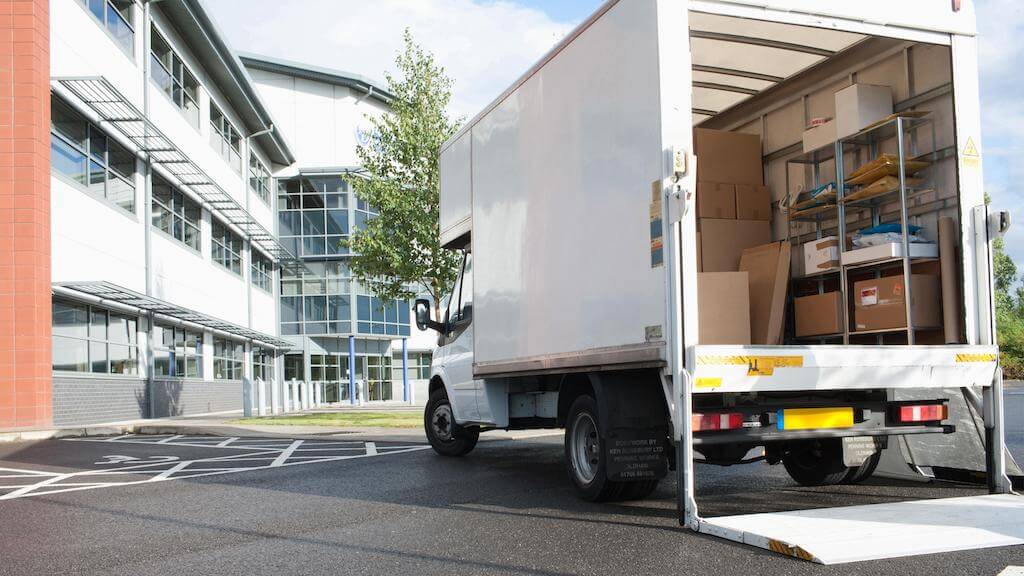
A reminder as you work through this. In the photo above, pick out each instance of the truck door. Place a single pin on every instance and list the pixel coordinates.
(458, 360)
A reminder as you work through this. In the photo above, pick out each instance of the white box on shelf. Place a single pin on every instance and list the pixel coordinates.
(819, 136)
(859, 106)
(886, 251)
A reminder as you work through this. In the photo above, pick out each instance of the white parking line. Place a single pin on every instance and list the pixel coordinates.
(225, 442)
(161, 468)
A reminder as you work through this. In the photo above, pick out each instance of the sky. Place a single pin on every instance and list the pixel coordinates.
(486, 44)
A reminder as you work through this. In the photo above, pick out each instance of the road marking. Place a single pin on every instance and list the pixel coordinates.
(225, 442)
(169, 439)
(371, 449)
(286, 453)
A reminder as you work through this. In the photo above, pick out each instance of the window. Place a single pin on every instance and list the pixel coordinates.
(171, 75)
(227, 248)
(116, 17)
(317, 300)
(225, 138)
(378, 378)
(262, 363)
(313, 215)
(90, 339)
(227, 359)
(262, 270)
(83, 153)
(176, 214)
(177, 352)
(363, 213)
(419, 365)
(377, 317)
(259, 179)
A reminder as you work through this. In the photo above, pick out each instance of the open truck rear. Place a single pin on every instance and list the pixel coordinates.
(574, 197)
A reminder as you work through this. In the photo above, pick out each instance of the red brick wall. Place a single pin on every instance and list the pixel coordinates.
(25, 346)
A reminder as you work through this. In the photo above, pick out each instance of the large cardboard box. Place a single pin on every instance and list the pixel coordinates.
(820, 255)
(859, 106)
(729, 157)
(879, 304)
(716, 200)
(819, 314)
(722, 241)
(820, 136)
(723, 308)
(768, 266)
(753, 202)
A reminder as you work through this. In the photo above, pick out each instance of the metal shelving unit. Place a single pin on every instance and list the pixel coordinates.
(905, 131)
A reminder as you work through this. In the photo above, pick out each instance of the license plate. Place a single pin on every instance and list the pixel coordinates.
(814, 418)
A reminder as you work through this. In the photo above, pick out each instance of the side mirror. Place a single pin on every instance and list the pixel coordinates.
(423, 321)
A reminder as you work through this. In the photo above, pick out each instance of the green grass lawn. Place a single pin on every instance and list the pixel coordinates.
(403, 419)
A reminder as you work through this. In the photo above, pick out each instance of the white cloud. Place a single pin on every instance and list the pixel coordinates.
(484, 45)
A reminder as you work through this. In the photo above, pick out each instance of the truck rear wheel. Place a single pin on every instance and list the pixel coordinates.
(816, 462)
(446, 437)
(584, 452)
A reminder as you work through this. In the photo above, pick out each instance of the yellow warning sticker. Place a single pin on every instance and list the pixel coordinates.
(975, 357)
(971, 156)
(709, 382)
(756, 365)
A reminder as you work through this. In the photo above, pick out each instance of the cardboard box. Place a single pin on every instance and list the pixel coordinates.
(859, 106)
(723, 241)
(723, 308)
(753, 202)
(818, 315)
(820, 136)
(768, 266)
(889, 250)
(728, 157)
(820, 256)
(716, 200)
(700, 264)
(879, 304)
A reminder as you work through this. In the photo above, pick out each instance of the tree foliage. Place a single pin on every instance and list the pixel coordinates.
(1009, 310)
(398, 254)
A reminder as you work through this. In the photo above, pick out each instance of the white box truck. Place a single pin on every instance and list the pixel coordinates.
(577, 300)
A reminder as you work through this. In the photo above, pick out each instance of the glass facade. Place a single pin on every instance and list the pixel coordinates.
(177, 352)
(227, 359)
(316, 301)
(81, 152)
(313, 215)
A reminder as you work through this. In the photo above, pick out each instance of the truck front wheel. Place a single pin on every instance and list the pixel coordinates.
(446, 437)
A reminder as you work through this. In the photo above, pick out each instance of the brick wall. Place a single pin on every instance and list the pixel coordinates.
(25, 372)
(189, 397)
(80, 401)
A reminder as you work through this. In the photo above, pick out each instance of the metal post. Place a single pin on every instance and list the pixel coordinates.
(841, 230)
(261, 396)
(275, 401)
(900, 147)
(995, 443)
(405, 370)
(294, 389)
(352, 369)
(247, 397)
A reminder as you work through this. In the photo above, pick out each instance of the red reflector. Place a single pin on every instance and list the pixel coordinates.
(923, 413)
(723, 421)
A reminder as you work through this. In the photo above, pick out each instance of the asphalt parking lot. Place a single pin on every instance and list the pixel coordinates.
(359, 505)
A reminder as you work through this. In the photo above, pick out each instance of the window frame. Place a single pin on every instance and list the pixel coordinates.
(225, 138)
(180, 206)
(177, 81)
(233, 361)
(261, 270)
(173, 351)
(108, 5)
(91, 134)
(258, 173)
(90, 340)
(262, 362)
(224, 241)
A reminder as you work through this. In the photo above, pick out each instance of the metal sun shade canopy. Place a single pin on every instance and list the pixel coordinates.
(737, 58)
(113, 293)
(113, 108)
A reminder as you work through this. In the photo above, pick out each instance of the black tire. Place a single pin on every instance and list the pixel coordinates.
(638, 490)
(445, 436)
(816, 462)
(858, 474)
(585, 455)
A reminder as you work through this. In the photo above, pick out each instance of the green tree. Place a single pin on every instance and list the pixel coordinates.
(1009, 311)
(399, 252)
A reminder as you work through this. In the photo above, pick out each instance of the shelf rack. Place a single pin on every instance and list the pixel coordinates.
(905, 131)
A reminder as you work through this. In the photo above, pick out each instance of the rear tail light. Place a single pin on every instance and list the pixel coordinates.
(922, 413)
(719, 421)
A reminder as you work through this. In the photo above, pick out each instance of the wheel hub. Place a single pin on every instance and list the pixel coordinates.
(585, 447)
(442, 422)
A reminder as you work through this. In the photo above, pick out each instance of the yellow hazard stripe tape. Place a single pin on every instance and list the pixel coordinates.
(756, 365)
(975, 357)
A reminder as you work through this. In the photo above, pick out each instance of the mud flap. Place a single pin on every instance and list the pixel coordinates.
(959, 456)
(634, 422)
